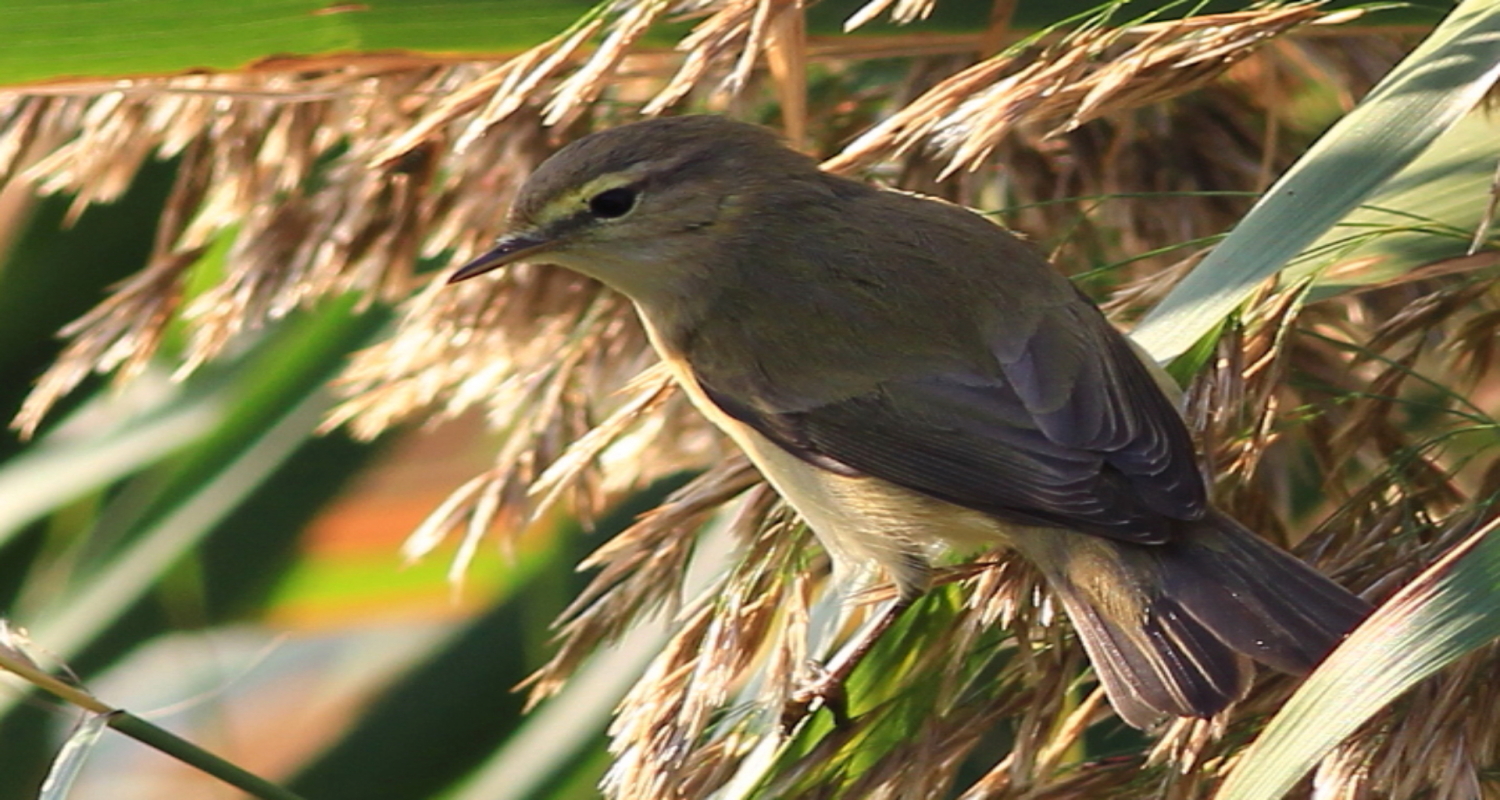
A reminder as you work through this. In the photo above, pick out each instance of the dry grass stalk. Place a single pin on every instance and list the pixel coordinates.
(904, 12)
(495, 96)
(1080, 78)
(786, 60)
(733, 36)
(245, 165)
(641, 570)
(662, 720)
(119, 335)
(573, 94)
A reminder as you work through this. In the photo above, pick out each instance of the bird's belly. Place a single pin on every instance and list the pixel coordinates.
(867, 525)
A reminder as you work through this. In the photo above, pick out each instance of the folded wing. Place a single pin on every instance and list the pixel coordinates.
(1066, 428)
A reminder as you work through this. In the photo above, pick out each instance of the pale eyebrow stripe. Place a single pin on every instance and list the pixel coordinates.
(567, 203)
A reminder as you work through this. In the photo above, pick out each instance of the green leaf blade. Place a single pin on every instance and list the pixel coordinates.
(1425, 95)
(1446, 613)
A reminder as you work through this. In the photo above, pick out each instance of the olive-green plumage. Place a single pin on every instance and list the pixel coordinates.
(908, 374)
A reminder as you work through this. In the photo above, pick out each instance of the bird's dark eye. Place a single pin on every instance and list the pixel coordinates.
(612, 203)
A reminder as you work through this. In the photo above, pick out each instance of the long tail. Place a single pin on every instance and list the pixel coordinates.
(1167, 627)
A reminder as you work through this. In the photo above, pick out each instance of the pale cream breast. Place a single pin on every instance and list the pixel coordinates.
(868, 526)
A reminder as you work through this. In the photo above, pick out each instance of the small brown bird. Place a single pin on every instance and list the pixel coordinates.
(907, 375)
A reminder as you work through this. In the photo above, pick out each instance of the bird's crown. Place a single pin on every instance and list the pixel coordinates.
(669, 150)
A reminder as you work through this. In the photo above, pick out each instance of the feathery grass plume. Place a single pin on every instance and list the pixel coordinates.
(641, 570)
(731, 39)
(1086, 74)
(250, 147)
(759, 604)
(904, 12)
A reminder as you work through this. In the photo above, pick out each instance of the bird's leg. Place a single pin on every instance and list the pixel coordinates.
(827, 689)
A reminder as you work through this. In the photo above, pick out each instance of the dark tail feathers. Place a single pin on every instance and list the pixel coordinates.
(1166, 626)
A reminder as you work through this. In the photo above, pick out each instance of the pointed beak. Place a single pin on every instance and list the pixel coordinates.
(510, 249)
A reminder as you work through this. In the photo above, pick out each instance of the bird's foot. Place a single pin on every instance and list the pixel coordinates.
(826, 687)
(823, 689)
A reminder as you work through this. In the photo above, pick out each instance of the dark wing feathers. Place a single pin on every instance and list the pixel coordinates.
(1070, 431)
(1086, 389)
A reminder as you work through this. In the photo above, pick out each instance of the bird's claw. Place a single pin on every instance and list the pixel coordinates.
(823, 689)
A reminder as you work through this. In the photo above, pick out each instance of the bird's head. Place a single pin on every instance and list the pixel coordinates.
(644, 207)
